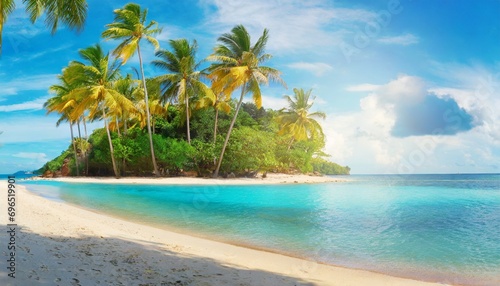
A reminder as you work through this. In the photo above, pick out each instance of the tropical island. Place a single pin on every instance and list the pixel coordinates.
(182, 121)
(88, 228)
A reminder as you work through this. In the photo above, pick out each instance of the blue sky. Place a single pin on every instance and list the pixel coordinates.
(409, 86)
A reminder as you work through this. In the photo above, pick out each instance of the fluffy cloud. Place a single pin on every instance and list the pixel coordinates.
(418, 112)
(405, 126)
(433, 115)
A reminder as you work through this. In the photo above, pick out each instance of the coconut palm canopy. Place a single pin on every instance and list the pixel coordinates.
(297, 120)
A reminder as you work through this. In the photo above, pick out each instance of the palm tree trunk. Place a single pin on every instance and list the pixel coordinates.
(111, 149)
(85, 127)
(216, 173)
(117, 127)
(78, 125)
(86, 152)
(215, 125)
(290, 144)
(187, 118)
(156, 173)
(74, 148)
(125, 127)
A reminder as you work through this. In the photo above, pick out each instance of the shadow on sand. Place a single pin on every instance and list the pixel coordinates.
(89, 260)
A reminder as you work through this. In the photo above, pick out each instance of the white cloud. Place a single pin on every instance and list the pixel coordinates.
(363, 139)
(403, 40)
(170, 32)
(36, 104)
(477, 90)
(36, 82)
(274, 102)
(293, 25)
(365, 87)
(317, 68)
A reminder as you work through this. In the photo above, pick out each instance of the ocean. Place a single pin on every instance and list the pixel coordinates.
(443, 228)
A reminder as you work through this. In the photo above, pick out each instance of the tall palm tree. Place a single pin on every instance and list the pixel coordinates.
(238, 65)
(72, 13)
(61, 104)
(183, 80)
(129, 26)
(96, 92)
(297, 121)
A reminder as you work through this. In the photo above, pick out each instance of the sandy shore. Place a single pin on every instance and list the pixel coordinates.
(271, 179)
(59, 244)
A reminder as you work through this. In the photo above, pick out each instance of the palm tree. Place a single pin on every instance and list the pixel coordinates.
(129, 26)
(96, 92)
(238, 65)
(61, 104)
(183, 82)
(127, 87)
(296, 120)
(72, 13)
(220, 104)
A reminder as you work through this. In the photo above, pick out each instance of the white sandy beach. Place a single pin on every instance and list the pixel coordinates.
(60, 244)
(271, 179)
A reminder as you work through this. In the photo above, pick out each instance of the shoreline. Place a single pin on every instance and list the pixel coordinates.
(40, 218)
(272, 179)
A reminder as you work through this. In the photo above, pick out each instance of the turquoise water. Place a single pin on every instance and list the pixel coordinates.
(442, 228)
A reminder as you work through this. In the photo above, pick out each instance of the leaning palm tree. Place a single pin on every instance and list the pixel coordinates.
(183, 81)
(297, 121)
(238, 65)
(96, 92)
(129, 26)
(72, 13)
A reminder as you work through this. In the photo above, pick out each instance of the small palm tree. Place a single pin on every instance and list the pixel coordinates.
(156, 106)
(70, 12)
(183, 82)
(238, 64)
(129, 26)
(297, 121)
(220, 104)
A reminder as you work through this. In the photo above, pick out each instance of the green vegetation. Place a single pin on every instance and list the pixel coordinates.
(182, 121)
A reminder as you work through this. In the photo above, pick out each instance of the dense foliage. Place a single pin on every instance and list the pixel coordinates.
(255, 146)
